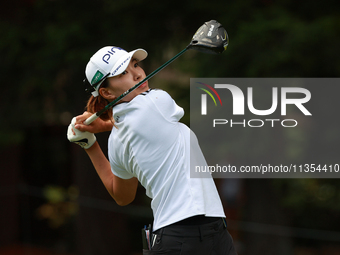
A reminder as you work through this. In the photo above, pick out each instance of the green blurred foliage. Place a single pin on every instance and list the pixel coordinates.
(60, 207)
(45, 46)
(313, 202)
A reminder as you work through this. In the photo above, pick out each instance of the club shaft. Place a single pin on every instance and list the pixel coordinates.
(111, 104)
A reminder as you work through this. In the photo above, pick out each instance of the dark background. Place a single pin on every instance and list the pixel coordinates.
(52, 201)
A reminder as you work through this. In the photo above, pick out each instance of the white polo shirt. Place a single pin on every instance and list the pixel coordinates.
(149, 143)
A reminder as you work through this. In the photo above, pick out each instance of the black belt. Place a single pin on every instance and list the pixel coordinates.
(198, 229)
(196, 220)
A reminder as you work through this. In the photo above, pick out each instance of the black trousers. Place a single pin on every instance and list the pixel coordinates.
(210, 238)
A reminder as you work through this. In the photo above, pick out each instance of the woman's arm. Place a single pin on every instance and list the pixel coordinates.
(122, 191)
(95, 127)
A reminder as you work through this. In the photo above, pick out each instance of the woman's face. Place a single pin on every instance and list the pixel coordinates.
(123, 82)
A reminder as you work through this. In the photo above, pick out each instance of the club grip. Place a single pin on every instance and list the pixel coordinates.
(89, 120)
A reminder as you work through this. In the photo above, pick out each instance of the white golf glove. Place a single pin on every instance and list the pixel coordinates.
(83, 139)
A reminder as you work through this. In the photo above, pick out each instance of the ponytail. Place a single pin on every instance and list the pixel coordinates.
(96, 104)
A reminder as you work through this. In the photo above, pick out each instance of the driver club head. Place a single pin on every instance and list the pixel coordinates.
(211, 37)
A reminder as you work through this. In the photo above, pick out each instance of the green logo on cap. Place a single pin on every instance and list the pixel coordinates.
(97, 77)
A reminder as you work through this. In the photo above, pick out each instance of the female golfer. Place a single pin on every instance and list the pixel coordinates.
(148, 144)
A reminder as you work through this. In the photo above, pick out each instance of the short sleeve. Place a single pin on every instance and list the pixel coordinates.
(117, 168)
(120, 172)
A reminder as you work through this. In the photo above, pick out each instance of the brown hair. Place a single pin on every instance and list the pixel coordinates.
(95, 104)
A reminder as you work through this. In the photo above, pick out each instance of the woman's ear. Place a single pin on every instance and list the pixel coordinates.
(107, 94)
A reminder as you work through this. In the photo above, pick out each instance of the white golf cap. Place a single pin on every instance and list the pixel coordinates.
(109, 61)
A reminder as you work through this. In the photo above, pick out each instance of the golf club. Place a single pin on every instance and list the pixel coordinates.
(211, 37)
